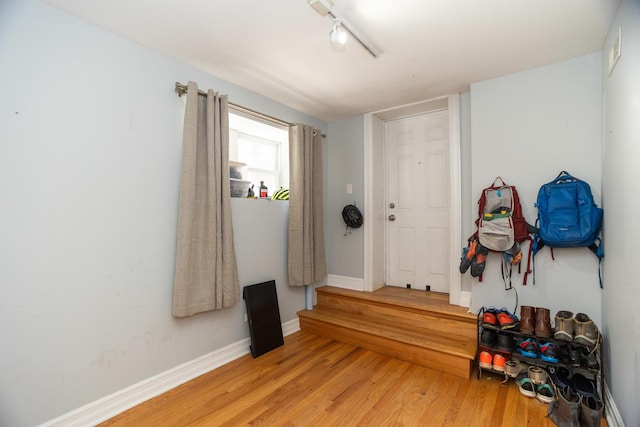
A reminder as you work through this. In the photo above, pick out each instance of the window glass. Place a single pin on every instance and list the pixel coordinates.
(264, 148)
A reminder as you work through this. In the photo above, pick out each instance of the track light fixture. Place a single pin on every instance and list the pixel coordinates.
(338, 35)
(340, 28)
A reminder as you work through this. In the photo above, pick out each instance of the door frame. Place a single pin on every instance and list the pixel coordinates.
(375, 197)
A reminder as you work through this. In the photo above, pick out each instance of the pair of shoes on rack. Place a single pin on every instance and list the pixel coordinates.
(491, 339)
(572, 410)
(496, 361)
(501, 318)
(536, 385)
(535, 321)
(546, 351)
(579, 357)
(579, 328)
(584, 385)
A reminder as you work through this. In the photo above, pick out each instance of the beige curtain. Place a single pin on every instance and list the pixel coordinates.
(307, 262)
(206, 276)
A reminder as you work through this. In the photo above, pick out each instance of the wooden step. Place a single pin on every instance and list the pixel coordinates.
(411, 325)
(428, 310)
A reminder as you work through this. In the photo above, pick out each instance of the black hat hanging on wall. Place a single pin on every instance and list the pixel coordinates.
(352, 217)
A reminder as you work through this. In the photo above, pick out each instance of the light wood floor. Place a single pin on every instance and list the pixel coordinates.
(315, 381)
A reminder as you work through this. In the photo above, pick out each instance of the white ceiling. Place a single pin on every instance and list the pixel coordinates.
(430, 48)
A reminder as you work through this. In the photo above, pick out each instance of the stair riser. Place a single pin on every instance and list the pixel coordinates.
(458, 366)
(401, 315)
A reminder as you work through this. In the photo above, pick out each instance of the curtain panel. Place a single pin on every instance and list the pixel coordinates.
(306, 255)
(206, 276)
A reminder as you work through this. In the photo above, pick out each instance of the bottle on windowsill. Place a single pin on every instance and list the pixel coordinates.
(263, 190)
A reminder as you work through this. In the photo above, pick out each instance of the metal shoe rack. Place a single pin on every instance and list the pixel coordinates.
(594, 375)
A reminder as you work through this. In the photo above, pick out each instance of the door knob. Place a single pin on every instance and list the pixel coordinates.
(392, 217)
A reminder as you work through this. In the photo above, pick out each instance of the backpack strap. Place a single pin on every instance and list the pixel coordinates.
(563, 177)
(506, 268)
(495, 181)
(596, 248)
(528, 270)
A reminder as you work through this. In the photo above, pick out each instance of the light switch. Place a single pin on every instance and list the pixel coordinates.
(349, 188)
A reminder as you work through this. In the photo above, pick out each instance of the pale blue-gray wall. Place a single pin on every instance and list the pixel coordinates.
(620, 180)
(345, 254)
(527, 128)
(90, 133)
(90, 148)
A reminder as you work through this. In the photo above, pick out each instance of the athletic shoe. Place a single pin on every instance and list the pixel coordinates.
(498, 362)
(584, 386)
(507, 320)
(468, 254)
(485, 360)
(512, 368)
(488, 338)
(560, 376)
(527, 347)
(537, 375)
(490, 317)
(574, 357)
(545, 393)
(478, 262)
(548, 352)
(505, 343)
(526, 387)
(588, 360)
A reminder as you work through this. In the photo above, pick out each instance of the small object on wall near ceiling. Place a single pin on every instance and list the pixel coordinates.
(352, 217)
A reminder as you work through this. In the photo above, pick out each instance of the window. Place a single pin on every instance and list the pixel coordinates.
(264, 148)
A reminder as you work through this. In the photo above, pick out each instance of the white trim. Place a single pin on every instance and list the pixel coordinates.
(455, 219)
(118, 402)
(291, 326)
(345, 282)
(367, 284)
(611, 410)
(456, 296)
(464, 299)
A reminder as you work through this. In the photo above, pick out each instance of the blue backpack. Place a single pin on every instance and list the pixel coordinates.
(567, 217)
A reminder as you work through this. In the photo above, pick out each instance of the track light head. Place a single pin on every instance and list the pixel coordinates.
(338, 34)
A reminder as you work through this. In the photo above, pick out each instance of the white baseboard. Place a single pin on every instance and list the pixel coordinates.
(611, 410)
(291, 326)
(345, 282)
(118, 402)
(464, 299)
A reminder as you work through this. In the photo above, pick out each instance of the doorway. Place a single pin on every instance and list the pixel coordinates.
(377, 251)
(417, 200)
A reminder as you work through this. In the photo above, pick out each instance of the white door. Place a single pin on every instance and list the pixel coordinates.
(418, 205)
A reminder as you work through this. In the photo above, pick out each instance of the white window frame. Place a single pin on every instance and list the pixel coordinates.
(257, 131)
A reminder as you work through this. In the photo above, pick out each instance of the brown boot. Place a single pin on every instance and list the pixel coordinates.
(590, 412)
(564, 411)
(543, 323)
(527, 319)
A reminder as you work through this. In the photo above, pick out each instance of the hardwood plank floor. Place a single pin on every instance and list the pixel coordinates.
(316, 381)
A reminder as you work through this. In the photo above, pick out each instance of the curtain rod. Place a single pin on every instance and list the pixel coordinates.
(181, 89)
